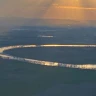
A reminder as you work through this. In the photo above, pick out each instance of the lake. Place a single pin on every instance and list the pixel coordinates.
(21, 77)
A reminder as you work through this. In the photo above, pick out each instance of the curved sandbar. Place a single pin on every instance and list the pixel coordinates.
(47, 63)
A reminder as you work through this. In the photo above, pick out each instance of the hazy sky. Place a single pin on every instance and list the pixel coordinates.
(55, 9)
(24, 8)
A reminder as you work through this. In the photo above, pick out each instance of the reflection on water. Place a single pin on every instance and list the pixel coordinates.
(44, 36)
(46, 63)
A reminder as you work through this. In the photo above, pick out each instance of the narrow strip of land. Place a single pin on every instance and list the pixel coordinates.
(46, 63)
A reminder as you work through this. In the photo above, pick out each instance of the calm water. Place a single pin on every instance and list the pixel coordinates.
(26, 79)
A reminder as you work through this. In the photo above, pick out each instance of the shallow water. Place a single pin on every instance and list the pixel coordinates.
(35, 79)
